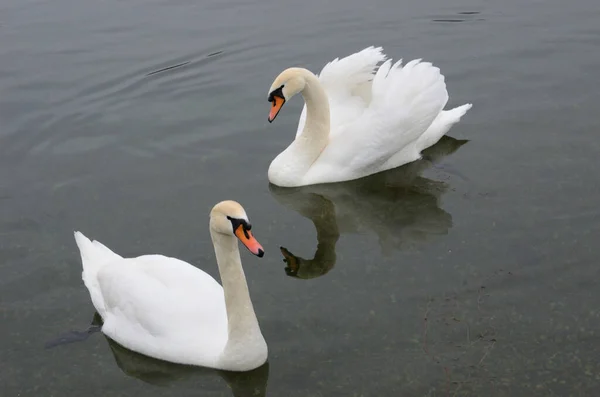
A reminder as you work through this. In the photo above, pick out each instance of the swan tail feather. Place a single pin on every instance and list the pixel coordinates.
(94, 255)
(441, 125)
(93, 252)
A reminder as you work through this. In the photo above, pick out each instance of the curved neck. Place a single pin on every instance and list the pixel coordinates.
(316, 128)
(241, 319)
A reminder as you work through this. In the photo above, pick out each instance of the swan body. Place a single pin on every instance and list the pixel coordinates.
(167, 309)
(359, 119)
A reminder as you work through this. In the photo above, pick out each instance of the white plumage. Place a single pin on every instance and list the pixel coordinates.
(168, 309)
(359, 119)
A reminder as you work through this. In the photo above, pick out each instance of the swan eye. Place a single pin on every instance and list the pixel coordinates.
(237, 222)
(276, 93)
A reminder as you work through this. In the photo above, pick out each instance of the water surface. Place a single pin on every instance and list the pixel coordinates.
(472, 272)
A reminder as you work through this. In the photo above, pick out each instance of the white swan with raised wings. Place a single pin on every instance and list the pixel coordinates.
(359, 119)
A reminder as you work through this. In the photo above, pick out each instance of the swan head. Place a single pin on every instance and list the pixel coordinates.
(229, 218)
(289, 82)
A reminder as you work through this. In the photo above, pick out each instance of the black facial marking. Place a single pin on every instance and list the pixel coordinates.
(236, 222)
(276, 92)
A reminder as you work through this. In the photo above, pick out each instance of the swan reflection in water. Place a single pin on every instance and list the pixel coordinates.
(399, 205)
(162, 373)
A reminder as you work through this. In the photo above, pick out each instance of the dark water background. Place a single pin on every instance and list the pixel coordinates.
(477, 276)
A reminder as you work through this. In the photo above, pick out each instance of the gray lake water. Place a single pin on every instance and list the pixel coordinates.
(473, 272)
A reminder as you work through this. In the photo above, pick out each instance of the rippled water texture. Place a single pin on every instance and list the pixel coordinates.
(473, 272)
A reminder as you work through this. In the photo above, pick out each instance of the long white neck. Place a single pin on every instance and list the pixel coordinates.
(316, 129)
(242, 323)
(291, 165)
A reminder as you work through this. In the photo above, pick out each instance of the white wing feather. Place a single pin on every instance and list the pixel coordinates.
(344, 80)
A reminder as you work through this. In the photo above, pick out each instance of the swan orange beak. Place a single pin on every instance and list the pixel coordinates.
(246, 237)
(277, 104)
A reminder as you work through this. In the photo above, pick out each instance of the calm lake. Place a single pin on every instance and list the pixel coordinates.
(473, 272)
